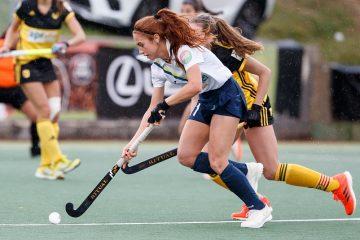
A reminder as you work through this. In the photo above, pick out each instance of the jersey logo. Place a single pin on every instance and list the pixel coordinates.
(185, 57)
(55, 15)
(32, 13)
(38, 36)
(25, 73)
(235, 55)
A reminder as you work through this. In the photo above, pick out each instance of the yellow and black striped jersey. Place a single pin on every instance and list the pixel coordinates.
(236, 64)
(39, 30)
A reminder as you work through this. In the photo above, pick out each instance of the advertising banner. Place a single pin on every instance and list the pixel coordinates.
(124, 86)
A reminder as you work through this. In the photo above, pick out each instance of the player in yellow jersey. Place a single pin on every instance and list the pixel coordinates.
(234, 51)
(38, 23)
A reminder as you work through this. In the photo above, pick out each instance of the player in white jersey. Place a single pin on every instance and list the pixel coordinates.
(169, 41)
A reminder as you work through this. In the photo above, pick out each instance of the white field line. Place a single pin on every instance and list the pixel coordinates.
(173, 223)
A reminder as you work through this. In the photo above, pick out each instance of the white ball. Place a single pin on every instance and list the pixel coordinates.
(55, 218)
(339, 36)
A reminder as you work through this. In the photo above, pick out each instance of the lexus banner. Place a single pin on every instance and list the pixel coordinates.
(125, 88)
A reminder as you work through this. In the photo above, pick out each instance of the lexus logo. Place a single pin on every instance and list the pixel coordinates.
(117, 80)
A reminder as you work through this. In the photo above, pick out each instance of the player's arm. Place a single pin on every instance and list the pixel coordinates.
(11, 35)
(189, 90)
(157, 96)
(264, 73)
(76, 30)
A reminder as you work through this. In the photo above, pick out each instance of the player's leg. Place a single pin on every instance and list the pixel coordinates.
(263, 144)
(52, 89)
(184, 117)
(35, 92)
(237, 148)
(235, 180)
(28, 109)
(194, 136)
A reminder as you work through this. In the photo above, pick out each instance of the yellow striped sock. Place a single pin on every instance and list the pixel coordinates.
(216, 178)
(49, 144)
(298, 175)
(56, 129)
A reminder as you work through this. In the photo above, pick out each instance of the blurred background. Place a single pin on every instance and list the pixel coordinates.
(310, 45)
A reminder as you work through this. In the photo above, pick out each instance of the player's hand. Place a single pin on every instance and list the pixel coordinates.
(127, 154)
(158, 113)
(254, 115)
(60, 47)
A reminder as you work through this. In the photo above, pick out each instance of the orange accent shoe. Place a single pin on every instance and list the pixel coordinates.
(345, 192)
(244, 212)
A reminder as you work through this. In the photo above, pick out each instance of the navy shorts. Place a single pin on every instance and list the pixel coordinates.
(228, 100)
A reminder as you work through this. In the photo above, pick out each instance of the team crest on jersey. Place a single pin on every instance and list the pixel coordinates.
(25, 73)
(55, 15)
(32, 13)
(185, 57)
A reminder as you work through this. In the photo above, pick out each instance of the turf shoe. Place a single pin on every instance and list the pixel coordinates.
(257, 218)
(345, 192)
(244, 212)
(255, 171)
(48, 173)
(65, 165)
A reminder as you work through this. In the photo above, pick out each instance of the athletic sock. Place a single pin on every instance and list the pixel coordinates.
(202, 165)
(56, 129)
(50, 149)
(298, 175)
(237, 182)
(34, 135)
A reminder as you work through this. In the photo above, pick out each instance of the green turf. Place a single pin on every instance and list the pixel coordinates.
(167, 192)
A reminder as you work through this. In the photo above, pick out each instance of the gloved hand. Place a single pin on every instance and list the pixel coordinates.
(254, 115)
(60, 47)
(158, 113)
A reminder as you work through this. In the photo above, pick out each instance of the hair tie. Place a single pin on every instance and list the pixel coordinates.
(157, 17)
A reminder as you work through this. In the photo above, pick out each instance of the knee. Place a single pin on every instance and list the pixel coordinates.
(44, 110)
(186, 159)
(218, 164)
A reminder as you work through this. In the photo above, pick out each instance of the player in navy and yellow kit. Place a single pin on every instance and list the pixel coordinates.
(234, 51)
(38, 24)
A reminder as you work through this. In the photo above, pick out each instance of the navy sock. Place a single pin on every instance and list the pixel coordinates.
(241, 166)
(202, 164)
(237, 182)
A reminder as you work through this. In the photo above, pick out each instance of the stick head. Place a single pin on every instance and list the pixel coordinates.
(71, 211)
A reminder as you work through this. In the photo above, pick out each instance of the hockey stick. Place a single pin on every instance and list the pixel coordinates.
(105, 181)
(149, 162)
(30, 52)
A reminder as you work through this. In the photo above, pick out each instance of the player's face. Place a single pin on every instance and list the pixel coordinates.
(147, 46)
(199, 29)
(188, 9)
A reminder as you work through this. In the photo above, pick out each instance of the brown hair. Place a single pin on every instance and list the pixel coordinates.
(227, 35)
(168, 25)
(199, 6)
(60, 5)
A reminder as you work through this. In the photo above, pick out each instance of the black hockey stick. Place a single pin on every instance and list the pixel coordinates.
(105, 181)
(149, 162)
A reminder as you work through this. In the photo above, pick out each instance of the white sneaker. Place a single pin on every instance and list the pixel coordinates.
(257, 218)
(48, 173)
(255, 170)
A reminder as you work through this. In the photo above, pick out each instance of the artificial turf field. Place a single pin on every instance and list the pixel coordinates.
(167, 201)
